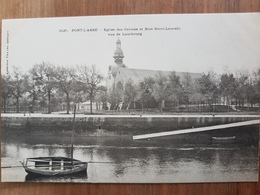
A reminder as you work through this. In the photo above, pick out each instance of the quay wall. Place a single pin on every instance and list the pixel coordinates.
(109, 126)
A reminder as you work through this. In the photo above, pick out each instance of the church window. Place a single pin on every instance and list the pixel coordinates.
(119, 86)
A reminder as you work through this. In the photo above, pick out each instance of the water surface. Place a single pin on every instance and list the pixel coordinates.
(122, 160)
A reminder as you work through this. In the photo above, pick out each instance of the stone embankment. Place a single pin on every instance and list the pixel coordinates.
(111, 126)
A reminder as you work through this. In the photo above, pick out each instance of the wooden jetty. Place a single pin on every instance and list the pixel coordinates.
(194, 130)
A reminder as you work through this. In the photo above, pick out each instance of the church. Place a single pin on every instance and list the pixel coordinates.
(119, 73)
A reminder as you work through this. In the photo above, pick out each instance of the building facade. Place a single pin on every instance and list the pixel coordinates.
(119, 73)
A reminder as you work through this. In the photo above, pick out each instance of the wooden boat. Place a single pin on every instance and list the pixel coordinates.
(54, 166)
(224, 138)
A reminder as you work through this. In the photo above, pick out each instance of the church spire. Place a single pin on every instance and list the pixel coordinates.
(118, 54)
(118, 44)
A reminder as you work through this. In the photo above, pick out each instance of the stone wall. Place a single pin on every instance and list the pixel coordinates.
(109, 126)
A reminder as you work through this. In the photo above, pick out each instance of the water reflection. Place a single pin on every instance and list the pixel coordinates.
(71, 178)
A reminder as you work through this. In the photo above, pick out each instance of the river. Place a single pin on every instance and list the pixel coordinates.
(123, 160)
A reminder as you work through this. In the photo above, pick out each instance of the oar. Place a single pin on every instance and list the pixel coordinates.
(99, 162)
(11, 167)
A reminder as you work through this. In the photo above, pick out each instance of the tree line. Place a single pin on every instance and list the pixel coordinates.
(209, 90)
(48, 86)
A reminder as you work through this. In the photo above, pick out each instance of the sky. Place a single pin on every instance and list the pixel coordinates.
(180, 42)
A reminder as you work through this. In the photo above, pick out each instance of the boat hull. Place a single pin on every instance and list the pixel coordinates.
(82, 168)
(54, 166)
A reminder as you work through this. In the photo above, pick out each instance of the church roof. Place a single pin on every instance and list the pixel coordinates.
(139, 74)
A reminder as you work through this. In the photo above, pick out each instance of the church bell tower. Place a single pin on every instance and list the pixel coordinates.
(118, 54)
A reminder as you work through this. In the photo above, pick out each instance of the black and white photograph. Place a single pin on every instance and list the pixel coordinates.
(163, 98)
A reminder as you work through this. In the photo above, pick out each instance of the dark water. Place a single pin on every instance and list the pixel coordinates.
(120, 159)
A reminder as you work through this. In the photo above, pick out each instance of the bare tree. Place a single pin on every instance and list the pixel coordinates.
(64, 80)
(43, 74)
(6, 90)
(18, 89)
(91, 77)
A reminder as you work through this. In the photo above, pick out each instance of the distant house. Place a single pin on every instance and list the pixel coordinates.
(84, 107)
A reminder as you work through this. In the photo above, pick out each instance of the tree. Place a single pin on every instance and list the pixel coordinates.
(161, 91)
(64, 80)
(145, 91)
(197, 98)
(249, 92)
(101, 96)
(6, 90)
(130, 93)
(16, 83)
(241, 87)
(188, 88)
(91, 77)
(207, 87)
(31, 91)
(115, 97)
(43, 75)
(176, 92)
(227, 87)
(256, 86)
(78, 93)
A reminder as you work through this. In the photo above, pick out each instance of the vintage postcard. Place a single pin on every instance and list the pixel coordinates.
(171, 98)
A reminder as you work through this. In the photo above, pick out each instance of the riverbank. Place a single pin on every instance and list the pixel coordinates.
(135, 114)
(110, 125)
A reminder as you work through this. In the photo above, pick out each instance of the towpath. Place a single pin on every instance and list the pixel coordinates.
(58, 115)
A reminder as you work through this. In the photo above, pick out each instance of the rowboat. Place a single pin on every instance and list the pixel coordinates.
(54, 166)
(224, 138)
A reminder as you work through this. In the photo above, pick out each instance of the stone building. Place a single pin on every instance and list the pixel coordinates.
(119, 73)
